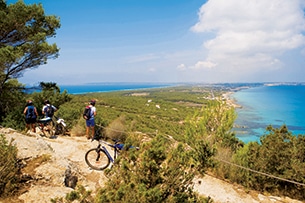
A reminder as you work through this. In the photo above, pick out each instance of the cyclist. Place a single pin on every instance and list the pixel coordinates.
(31, 115)
(90, 123)
(48, 109)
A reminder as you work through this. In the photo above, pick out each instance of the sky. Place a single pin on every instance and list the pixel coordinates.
(175, 41)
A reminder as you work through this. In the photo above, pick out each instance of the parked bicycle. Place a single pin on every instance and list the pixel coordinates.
(45, 126)
(99, 158)
(60, 126)
(52, 126)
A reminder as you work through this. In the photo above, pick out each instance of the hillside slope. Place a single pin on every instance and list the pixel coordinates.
(47, 179)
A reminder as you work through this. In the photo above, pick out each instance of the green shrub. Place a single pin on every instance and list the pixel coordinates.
(8, 166)
(79, 195)
(12, 104)
(160, 171)
(280, 154)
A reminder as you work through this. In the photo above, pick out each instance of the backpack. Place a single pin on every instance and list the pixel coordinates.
(49, 111)
(30, 112)
(87, 113)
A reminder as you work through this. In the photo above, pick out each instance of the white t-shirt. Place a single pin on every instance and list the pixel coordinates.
(45, 106)
(93, 110)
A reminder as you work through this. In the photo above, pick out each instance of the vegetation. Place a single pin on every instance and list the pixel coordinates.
(182, 131)
(12, 104)
(80, 194)
(14, 113)
(205, 126)
(280, 154)
(8, 166)
(24, 31)
(182, 134)
(168, 175)
(50, 91)
(142, 111)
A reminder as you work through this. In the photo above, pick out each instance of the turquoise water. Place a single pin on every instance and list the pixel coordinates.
(261, 105)
(269, 105)
(109, 87)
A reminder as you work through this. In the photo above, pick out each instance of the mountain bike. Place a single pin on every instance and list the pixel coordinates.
(45, 126)
(99, 158)
(60, 126)
(52, 126)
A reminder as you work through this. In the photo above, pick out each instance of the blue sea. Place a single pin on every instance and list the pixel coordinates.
(261, 105)
(269, 105)
(110, 87)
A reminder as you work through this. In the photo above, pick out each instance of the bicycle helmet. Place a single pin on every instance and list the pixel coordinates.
(92, 102)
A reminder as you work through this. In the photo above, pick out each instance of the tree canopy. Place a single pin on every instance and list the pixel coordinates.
(24, 30)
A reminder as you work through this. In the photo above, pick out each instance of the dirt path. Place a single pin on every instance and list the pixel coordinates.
(68, 153)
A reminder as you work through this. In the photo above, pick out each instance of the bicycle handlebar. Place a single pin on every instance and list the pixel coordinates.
(98, 138)
(116, 145)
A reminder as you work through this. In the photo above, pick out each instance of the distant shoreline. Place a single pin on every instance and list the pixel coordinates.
(227, 96)
(112, 87)
(230, 101)
(125, 86)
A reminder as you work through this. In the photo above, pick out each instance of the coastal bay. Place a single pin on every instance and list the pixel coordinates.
(257, 105)
(276, 105)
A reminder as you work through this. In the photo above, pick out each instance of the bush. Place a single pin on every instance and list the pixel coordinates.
(79, 195)
(280, 154)
(8, 165)
(12, 104)
(161, 171)
(116, 129)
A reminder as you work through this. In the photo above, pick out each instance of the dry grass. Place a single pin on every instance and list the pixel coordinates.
(34, 163)
(223, 170)
(23, 186)
(78, 130)
(116, 129)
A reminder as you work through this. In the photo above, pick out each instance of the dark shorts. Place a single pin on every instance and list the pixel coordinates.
(30, 120)
(90, 123)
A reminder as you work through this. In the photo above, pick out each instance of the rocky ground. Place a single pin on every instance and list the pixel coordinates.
(66, 154)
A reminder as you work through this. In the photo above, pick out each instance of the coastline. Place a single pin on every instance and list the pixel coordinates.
(112, 87)
(231, 101)
(265, 105)
(227, 96)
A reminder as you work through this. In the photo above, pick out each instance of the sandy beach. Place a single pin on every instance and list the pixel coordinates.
(229, 100)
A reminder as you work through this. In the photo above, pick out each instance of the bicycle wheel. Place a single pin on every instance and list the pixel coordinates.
(97, 159)
(60, 129)
(48, 131)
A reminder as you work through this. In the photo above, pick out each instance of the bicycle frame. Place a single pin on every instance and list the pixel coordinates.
(115, 150)
(108, 154)
(44, 125)
(99, 158)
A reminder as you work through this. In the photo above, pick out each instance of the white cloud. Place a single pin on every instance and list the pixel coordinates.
(250, 34)
(181, 67)
(203, 65)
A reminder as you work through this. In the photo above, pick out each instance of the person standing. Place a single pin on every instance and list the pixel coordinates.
(31, 115)
(48, 109)
(90, 122)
